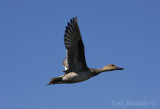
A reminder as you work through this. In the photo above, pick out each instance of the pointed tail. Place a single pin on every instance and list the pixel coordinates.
(56, 80)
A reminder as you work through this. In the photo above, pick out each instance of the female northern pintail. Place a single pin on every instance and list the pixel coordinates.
(76, 69)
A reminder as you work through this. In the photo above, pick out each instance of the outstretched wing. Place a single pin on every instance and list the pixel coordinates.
(75, 48)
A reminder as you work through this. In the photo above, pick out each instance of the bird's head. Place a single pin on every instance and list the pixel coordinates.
(111, 67)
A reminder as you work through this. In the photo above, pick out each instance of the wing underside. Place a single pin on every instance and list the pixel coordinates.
(75, 59)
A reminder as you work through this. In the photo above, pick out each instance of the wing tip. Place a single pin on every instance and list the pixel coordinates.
(71, 29)
(75, 19)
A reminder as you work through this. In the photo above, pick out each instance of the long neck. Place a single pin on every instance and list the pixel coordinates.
(98, 71)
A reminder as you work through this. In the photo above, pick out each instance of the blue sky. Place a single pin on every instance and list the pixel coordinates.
(121, 32)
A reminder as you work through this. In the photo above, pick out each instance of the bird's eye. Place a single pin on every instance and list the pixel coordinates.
(112, 65)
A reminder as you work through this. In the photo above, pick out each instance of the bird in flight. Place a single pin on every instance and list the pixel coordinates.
(76, 69)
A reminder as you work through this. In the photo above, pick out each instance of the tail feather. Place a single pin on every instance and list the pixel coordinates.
(56, 80)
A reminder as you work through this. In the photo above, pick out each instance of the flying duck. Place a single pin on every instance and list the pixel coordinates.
(76, 69)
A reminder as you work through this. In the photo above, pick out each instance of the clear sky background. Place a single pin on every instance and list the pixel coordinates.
(121, 32)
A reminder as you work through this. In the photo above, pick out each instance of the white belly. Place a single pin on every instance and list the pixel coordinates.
(73, 77)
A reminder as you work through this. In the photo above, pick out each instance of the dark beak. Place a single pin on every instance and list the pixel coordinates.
(119, 68)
